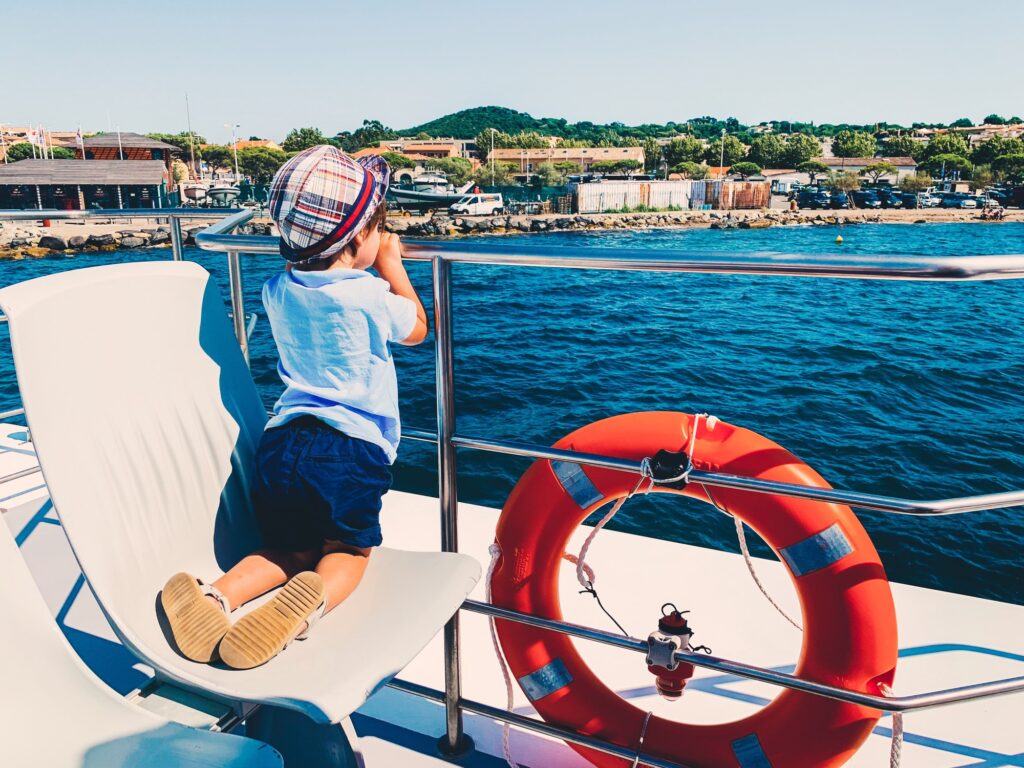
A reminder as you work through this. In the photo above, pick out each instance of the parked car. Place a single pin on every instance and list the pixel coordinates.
(958, 200)
(812, 197)
(889, 199)
(839, 200)
(927, 200)
(911, 200)
(866, 198)
(485, 204)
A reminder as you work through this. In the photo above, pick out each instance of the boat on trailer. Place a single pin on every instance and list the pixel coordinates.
(955, 652)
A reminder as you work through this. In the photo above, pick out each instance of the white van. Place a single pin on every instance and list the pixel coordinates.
(483, 204)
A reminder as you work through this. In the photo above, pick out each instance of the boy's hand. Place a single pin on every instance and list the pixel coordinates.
(390, 250)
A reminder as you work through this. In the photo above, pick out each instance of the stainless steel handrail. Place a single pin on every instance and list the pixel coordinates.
(915, 701)
(959, 269)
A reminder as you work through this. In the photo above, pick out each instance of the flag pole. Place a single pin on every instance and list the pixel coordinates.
(120, 149)
(3, 144)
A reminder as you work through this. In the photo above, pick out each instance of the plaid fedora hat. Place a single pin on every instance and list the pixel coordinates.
(321, 198)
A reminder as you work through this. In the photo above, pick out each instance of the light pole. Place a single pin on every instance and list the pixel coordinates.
(493, 130)
(234, 146)
(721, 161)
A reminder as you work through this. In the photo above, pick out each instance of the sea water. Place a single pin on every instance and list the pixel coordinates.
(900, 389)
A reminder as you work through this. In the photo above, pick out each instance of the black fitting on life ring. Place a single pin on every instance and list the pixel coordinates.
(669, 468)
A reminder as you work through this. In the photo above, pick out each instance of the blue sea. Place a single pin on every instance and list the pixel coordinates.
(911, 390)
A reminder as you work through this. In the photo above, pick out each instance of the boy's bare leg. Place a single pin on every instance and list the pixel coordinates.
(342, 568)
(261, 572)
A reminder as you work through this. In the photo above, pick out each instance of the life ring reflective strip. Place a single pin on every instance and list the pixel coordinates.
(849, 620)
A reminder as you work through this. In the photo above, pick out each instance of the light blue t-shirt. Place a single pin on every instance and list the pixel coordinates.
(332, 328)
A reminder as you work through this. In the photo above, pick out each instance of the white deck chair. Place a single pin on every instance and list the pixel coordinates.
(57, 714)
(145, 420)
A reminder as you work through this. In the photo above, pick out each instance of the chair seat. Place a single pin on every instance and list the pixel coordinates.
(403, 600)
(56, 713)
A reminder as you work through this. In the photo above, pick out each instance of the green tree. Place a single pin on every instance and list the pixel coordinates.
(800, 148)
(20, 151)
(735, 150)
(260, 163)
(963, 122)
(875, 171)
(902, 146)
(745, 169)
(604, 166)
(993, 120)
(982, 176)
(299, 139)
(566, 167)
(691, 170)
(628, 167)
(1011, 167)
(61, 153)
(457, 169)
(853, 144)
(423, 136)
(813, 168)
(768, 151)
(997, 146)
(549, 176)
(652, 154)
(181, 141)
(945, 144)
(947, 164)
(179, 171)
(218, 156)
(847, 181)
(502, 175)
(397, 160)
(684, 149)
(919, 182)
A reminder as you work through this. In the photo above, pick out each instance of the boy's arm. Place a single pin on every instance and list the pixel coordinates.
(389, 266)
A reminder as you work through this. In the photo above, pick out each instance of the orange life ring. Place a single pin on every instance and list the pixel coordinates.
(849, 620)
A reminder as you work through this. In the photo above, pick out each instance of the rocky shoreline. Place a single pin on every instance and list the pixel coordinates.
(19, 241)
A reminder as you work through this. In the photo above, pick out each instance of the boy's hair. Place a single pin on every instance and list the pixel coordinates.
(377, 220)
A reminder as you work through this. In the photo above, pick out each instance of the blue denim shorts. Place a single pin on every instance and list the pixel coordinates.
(314, 483)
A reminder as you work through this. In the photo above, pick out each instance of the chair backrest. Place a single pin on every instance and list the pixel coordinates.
(145, 421)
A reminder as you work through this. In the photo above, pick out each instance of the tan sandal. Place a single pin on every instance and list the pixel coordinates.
(259, 636)
(197, 623)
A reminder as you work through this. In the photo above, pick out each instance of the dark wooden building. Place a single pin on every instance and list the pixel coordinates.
(80, 184)
(132, 146)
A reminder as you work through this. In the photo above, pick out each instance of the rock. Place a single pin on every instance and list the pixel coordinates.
(132, 242)
(77, 241)
(158, 238)
(538, 226)
(18, 242)
(100, 240)
(755, 224)
(53, 243)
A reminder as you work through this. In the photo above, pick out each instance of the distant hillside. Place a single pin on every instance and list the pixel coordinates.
(469, 122)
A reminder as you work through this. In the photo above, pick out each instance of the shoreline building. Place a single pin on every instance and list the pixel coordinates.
(527, 161)
(80, 184)
(432, 148)
(128, 146)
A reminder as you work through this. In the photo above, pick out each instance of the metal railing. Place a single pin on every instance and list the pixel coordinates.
(173, 216)
(442, 255)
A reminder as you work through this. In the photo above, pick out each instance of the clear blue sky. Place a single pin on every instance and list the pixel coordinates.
(271, 66)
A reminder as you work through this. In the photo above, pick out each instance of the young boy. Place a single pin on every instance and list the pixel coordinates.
(323, 462)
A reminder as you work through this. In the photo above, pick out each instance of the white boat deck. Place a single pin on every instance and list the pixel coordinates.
(946, 640)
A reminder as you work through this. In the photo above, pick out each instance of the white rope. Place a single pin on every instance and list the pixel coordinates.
(495, 552)
(897, 731)
(643, 734)
(750, 564)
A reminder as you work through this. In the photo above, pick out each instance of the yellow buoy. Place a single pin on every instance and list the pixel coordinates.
(839, 239)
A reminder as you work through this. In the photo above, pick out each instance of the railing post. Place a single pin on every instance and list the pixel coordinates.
(237, 302)
(454, 742)
(177, 250)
